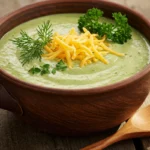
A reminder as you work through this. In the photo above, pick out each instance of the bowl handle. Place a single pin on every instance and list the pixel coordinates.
(6, 100)
(9, 103)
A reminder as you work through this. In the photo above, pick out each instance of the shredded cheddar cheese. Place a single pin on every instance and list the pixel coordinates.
(85, 47)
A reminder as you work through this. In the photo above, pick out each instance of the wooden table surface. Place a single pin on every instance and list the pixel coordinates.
(15, 135)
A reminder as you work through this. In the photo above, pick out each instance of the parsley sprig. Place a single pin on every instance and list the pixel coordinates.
(45, 69)
(118, 32)
(33, 48)
(60, 66)
(34, 70)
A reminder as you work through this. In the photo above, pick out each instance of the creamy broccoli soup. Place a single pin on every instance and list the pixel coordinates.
(136, 57)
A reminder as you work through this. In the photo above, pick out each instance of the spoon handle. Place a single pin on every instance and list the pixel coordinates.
(105, 142)
(118, 136)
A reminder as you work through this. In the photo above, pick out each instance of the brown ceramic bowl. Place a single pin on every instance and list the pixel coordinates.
(74, 111)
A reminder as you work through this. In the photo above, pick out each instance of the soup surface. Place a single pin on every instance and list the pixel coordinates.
(96, 74)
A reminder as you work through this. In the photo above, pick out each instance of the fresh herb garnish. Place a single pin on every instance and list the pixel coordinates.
(60, 66)
(34, 70)
(45, 69)
(54, 70)
(45, 32)
(90, 20)
(119, 32)
(33, 48)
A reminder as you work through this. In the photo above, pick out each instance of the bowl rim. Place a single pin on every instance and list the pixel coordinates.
(80, 91)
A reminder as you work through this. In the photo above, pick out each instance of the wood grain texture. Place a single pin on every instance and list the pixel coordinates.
(137, 126)
(14, 135)
(145, 143)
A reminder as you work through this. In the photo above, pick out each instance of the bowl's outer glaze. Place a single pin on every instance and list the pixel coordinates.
(77, 112)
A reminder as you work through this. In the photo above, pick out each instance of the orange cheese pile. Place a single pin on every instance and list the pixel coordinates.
(85, 47)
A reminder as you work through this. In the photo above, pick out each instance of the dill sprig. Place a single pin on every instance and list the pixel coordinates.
(33, 48)
(45, 32)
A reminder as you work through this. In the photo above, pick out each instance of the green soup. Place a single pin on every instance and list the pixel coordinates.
(96, 74)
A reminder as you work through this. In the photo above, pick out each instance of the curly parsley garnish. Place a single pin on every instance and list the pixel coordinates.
(119, 32)
(33, 48)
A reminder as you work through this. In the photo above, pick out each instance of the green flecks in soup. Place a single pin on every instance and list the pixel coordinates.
(96, 74)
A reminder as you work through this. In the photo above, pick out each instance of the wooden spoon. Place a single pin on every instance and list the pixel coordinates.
(137, 126)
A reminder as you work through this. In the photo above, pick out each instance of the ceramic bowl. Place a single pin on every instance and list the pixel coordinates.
(73, 111)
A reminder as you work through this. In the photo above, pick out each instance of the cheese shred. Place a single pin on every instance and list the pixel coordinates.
(85, 47)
